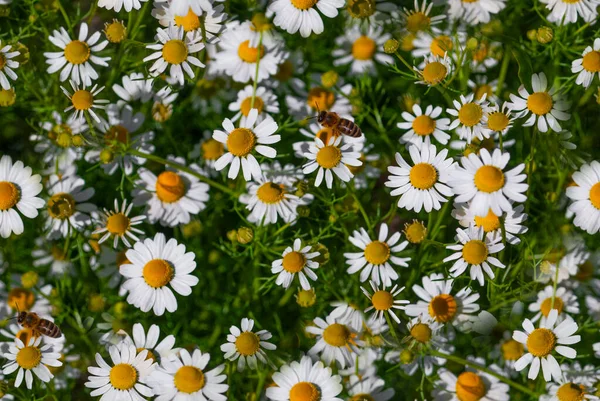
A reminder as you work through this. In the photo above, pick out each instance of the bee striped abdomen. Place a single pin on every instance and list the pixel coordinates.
(348, 127)
(47, 328)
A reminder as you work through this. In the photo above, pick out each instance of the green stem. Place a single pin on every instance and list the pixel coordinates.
(391, 326)
(260, 38)
(503, 71)
(410, 68)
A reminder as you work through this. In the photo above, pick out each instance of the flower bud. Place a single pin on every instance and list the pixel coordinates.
(472, 44)
(106, 156)
(63, 140)
(29, 279)
(545, 34)
(232, 236)
(23, 57)
(96, 303)
(245, 235)
(214, 256)
(391, 46)
(329, 79)
(7, 97)
(77, 140)
(115, 31)
(306, 298)
(532, 35)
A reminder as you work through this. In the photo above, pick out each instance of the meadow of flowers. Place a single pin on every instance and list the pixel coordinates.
(171, 203)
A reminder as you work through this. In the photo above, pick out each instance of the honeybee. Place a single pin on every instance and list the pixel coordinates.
(39, 326)
(338, 124)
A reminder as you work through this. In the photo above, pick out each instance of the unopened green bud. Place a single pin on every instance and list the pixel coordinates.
(63, 140)
(545, 34)
(29, 279)
(303, 211)
(406, 356)
(532, 35)
(391, 46)
(472, 44)
(245, 235)
(106, 156)
(232, 235)
(329, 79)
(77, 140)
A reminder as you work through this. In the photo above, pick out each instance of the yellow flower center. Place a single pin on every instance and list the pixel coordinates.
(175, 51)
(363, 48)
(77, 52)
(304, 391)
(190, 22)
(247, 343)
(7, 97)
(490, 222)
(293, 262)
(189, 379)
(82, 100)
(443, 308)
(470, 114)
(497, 121)
(117, 224)
(258, 104)
(423, 176)
(361, 8)
(29, 357)
(115, 31)
(21, 299)
(540, 103)
(382, 300)
(475, 252)
(481, 52)
(415, 232)
(61, 206)
(434, 72)
(157, 273)
(161, 112)
(241, 141)
(270, 193)
(484, 89)
(489, 179)
(417, 21)
(541, 342)
(470, 387)
(421, 332)
(116, 133)
(423, 125)
(336, 335)
(595, 195)
(441, 45)
(545, 307)
(123, 376)
(306, 298)
(591, 61)
(170, 187)
(149, 355)
(250, 54)
(9, 195)
(377, 252)
(329, 156)
(571, 392)
(512, 350)
(212, 149)
(320, 98)
(304, 4)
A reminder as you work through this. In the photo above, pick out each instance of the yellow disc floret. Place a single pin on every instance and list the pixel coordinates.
(304, 391)
(547, 305)
(157, 273)
(591, 61)
(170, 187)
(61, 206)
(250, 54)
(470, 114)
(337, 335)
(421, 332)
(175, 51)
(329, 156)
(470, 387)
(443, 308)
(377, 252)
(489, 179)
(363, 48)
(382, 300)
(189, 379)
(271, 193)
(541, 342)
(77, 52)
(9, 195)
(241, 141)
(434, 72)
(423, 176)
(304, 4)
(123, 376)
(293, 262)
(539, 103)
(475, 252)
(29, 357)
(423, 125)
(117, 224)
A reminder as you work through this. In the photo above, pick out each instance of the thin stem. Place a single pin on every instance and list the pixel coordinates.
(260, 38)
(530, 164)
(410, 68)
(503, 71)
(391, 326)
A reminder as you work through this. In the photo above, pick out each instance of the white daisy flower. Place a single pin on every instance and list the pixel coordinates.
(7, 65)
(172, 197)
(242, 142)
(422, 185)
(336, 341)
(362, 50)
(375, 259)
(316, 96)
(118, 224)
(316, 130)
(492, 224)
(585, 197)
(383, 301)
(481, 85)
(568, 389)
(436, 301)
(296, 260)
(157, 351)
(435, 69)
(76, 58)
(182, 7)
(300, 15)
(155, 266)
(305, 380)
(423, 124)
(264, 101)
(471, 385)
(134, 87)
(418, 19)
(438, 43)
(561, 299)
(475, 250)
(481, 181)
(471, 118)
(545, 106)
(186, 378)
(18, 191)
(484, 57)
(475, 11)
(25, 299)
(370, 388)
(567, 11)
(348, 314)
(67, 207)
(212, 20)
(331, 157)
(247, 346)
(543, 342)
(588, 65)
(126, 378)
(175, 51)
(116, 5)
(84, 100)
(28, 358)
(162, 109)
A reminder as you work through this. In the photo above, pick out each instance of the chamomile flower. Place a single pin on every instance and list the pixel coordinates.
(384, 301)
(567, 11)
(471, 384)
(335, 341)
(320, 95)
(61, 143)
(543, 105)
(116, 5)
(543, 342)
(301, 15)
(348, 314)
(475, 11)
(264, 101)
(242, 142)
(186, 377)
(500, 119)
(588, 65)
(68, 208)
(31, 357)
(368, 388)
(118, 224)
(435, 69)
(247, 346)
(418, 19)
(126, 378)
(25, 298)
(438, 43)
(481, 85)
(134, 87)
(561, 299)
(329, 158)
(18, 191)
(492, 223)
(155, 267)
(375, 258)
(422, 333)
(423, 185)
(173, 196)
(296, 260)
(148, 341)
(585, 197)
(475, 250)
(162, 109)
(484, 57)
(481, 181)
(362, 50)
(471, 116)
(567, 389)
(438, 302)
(421, 124)
(305, 380)
(7, 65)
(84, 100)
(76, 57)
(174, 51)
(212, 20)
